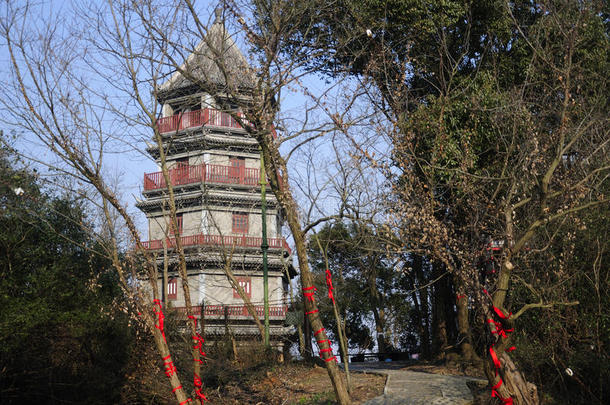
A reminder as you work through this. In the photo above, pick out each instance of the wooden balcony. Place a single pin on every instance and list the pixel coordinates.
(200, 118)
(236, 311)
(206, 173)
(197, 118)
(220, 241)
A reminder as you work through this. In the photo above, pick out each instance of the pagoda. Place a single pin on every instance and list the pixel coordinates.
(214, 168)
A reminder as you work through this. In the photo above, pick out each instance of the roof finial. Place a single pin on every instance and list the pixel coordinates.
(218, 12)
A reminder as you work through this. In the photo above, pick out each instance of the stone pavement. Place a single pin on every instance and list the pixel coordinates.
(416, 388)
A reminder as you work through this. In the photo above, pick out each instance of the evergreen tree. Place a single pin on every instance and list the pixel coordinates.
(61, 339)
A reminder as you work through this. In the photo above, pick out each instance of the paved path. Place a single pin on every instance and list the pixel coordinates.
(416, 388)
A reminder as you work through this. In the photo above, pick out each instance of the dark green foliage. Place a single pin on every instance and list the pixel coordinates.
(61, 340)
(499, 105)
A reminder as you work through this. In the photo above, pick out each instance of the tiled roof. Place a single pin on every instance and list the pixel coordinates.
(216, 60)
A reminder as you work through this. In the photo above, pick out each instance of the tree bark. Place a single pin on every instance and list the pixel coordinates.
(274, 163)
(441, 292)
(463, 320)
(423, 311)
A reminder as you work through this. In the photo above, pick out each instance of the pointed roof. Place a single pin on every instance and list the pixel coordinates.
(214, 58)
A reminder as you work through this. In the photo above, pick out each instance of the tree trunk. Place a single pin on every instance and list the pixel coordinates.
(306, 335)
(440, 339)
(464, 331)
(424, 314)
(507, 381)
(274, 163)
(513, 385)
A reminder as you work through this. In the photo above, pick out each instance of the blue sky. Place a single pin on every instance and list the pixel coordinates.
(124, 161)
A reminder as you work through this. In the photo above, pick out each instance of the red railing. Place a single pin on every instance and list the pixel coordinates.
(203, 173)
(199, 118)
(218, 240)
(236, 310)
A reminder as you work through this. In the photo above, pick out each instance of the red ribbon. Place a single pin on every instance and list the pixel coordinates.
(160, 317)
(460, 296)
(500, 329)
(198, 388)
(176, 389)
(329, 283)
(494, 358)
(496, 394)
(329, 350)
(311, 312)
(501, 314)
(309, 292)
(502, 333)
(170, 369)
(198, 340)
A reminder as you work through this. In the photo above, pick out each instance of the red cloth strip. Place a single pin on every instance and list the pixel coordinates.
(501, 314)
(495, 359)
(500, 329)
(318, 331)
(329, 284)
(160, 317)
(510, 349)
(177, 388)
(188, 401)
(170, 369)
(198, 390)
(331, 359)
(496, 394)
(308, 292)
(198, 340)
(311, 312)
(460, 296)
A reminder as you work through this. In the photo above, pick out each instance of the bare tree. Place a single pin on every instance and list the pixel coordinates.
(84, 92)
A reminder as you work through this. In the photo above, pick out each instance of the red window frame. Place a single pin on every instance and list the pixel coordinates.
(171, 227)
(239, 222)
(172, 288)
(246, 284)
(237, 169)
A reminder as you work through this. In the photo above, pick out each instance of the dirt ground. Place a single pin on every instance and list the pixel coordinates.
(293, 383)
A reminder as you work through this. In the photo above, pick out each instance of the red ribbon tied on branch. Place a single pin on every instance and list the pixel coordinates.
(197, 341)
(308, 292)
(170, 369)
(198, 345)
(160, 317)
(502, 333)
(329, 284)
(198, 389)
(499, 329)
(329, 350)
(496, 394)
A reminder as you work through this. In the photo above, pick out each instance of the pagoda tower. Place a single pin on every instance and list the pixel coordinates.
(214, 168)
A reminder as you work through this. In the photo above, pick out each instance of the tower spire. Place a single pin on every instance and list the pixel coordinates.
(218, 13)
